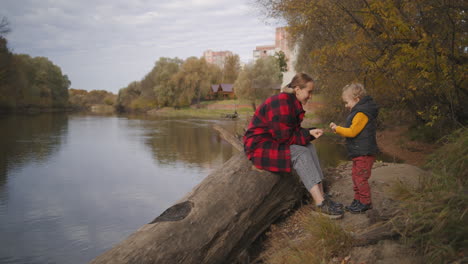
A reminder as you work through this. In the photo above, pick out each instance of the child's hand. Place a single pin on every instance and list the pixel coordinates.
(316, 132)
(333, 126)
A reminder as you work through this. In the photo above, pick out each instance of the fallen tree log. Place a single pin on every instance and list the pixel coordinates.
(375, 233)
(216, 221)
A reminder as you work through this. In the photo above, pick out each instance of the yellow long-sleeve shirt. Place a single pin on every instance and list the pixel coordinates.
(357, 125)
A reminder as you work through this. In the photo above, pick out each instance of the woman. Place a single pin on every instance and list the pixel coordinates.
(276, 142)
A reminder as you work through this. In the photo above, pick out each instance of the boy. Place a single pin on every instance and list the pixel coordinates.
(360, 133)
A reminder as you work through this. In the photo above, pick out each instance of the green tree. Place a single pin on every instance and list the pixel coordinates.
(256, 81)
(282, 62)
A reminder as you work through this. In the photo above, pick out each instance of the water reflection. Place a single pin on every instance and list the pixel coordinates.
(73, 186)
(191, 141)
(29, 137)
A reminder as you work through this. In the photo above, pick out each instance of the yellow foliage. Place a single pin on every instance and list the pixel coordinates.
(405, 52)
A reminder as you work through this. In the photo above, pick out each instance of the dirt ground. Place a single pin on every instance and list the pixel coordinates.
(394, 142)
(384, 177)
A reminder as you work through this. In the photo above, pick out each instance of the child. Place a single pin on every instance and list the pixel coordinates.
(360, 131)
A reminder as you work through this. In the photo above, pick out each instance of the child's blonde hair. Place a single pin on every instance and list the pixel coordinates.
(356, 90)
(300, 79)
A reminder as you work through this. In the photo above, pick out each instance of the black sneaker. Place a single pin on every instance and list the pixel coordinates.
(353, 204)
(359, 208)
(328, 210)
(335, 204)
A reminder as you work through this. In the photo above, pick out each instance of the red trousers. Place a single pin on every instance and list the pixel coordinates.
(362, 167)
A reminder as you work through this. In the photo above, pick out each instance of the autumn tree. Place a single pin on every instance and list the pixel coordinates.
(193, 81)
(409, 54)
(256, 81)
(127, 96)
(83, 100)
(162, 73)
(231, 69)
(27, 82)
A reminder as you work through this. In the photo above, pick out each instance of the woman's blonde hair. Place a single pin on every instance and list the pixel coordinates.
(356, 90)
(300, 79)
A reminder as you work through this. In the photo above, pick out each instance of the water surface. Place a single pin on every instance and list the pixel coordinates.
(71, 186)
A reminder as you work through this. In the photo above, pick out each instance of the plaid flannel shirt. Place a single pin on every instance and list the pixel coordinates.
(275, 126)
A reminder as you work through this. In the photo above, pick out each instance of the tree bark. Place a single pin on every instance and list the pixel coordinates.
(216, 221)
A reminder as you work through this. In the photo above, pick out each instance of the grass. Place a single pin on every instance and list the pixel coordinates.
(433, 218)
(243, 108)
(226, 102)
(204, 112)
(323, 240)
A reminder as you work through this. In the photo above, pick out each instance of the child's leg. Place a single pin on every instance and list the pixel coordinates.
(355, 182)
(362, 168)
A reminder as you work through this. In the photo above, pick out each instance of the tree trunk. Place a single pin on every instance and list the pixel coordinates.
(216, 221)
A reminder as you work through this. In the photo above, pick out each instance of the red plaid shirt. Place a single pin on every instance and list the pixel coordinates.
(275, 126)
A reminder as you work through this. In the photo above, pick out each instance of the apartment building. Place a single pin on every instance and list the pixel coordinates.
(217, 57)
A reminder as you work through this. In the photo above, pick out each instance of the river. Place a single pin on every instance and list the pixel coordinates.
(73, 185)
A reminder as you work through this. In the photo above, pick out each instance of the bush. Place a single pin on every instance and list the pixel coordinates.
(433, 217)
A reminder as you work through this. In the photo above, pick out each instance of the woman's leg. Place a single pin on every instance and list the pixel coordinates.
(311, 176)
(315, 158)
(316, 161)
(317, 194)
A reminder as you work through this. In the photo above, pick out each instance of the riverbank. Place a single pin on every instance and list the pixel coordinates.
(424, 209)
(294, 240)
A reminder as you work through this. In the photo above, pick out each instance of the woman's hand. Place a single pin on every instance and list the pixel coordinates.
(316, 133)
(333, 126)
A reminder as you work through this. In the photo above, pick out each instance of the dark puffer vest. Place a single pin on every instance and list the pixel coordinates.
(365, 142)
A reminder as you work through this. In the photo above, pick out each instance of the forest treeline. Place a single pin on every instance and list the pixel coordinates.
(410, 54)
(178, 83)
(83, 100)
(30, 83)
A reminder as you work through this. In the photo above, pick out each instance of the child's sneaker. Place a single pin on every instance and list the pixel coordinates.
(327, 209)
(359, 208)
(353, 204)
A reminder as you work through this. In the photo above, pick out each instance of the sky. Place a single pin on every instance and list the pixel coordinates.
(105, 45)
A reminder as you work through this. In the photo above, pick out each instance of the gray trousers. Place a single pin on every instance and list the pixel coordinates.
(306, 163)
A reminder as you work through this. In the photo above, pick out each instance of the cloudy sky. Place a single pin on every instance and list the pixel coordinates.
(104, 44)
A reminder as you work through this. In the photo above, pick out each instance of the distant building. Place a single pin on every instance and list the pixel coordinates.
(282, 43)
(264, 51)
(222, 91)
(217, 57)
